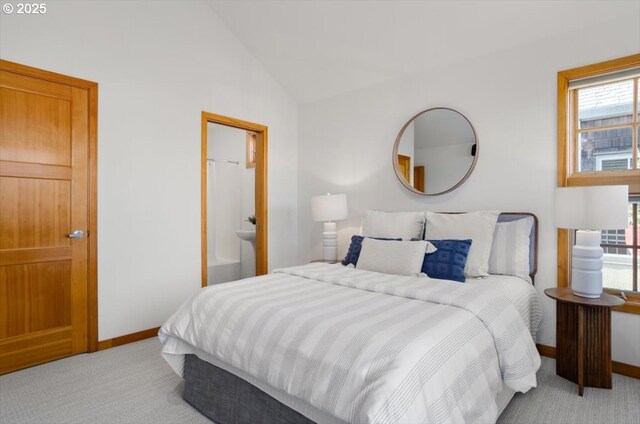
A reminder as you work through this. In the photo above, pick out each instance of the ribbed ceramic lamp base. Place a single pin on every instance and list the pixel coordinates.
(329, 242)
(586, 265)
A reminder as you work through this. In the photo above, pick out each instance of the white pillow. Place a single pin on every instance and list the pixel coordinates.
(404, 225)
(510, 250)
(477, 226)
(392, 257)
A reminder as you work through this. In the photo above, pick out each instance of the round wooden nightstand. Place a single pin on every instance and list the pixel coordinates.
(583, 337)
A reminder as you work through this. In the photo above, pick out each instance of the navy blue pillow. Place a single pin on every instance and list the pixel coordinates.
(447, 263)
(356, 247)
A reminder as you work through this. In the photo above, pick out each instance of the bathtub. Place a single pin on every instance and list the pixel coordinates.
(221, 270)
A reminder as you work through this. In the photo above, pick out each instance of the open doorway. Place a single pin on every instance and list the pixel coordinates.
(233, 199)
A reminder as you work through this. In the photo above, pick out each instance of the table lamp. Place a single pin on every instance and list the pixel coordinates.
(590, 210)
(328, 208)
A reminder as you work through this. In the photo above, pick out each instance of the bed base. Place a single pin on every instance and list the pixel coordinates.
(227, 399)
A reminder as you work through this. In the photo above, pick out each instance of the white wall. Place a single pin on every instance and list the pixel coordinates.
(510, 98)
(159, 64)
(444, 166)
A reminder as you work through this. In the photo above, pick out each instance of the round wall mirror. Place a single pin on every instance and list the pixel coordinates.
(435, 151)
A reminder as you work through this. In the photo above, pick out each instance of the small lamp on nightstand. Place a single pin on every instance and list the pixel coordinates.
(589, 210)
(328, 208)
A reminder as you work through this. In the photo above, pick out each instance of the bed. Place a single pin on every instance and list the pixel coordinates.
(329, 344)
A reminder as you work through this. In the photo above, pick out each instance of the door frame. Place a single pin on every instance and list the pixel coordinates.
(262, 135)
(92, 192)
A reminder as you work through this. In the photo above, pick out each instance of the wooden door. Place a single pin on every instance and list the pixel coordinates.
(44, 197)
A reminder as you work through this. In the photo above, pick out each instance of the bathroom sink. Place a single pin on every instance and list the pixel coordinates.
(248, 235)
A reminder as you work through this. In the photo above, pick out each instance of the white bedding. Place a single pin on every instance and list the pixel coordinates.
(365, 347)
(521, 293)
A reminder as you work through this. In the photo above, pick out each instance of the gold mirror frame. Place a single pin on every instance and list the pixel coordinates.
(396, 164)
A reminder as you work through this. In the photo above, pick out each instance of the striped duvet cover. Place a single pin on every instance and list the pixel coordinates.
(364, 347)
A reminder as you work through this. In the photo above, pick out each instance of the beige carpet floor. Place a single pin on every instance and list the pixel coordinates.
(133, 384)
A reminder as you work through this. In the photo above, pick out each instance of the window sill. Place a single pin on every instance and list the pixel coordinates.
(631, 305)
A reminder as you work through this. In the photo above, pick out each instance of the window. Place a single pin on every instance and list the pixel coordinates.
(621, 253)
(613, 237)
(251, 149)
(598, 132)
(602, 122)
(616, 163)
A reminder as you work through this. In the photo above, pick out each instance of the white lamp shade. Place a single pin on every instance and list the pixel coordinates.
(592, 208)
(329, 207)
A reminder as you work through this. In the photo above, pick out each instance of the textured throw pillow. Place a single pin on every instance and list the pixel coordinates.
(510, 250)
(355, 248)
(477, 226)
(392, 257)
(448, 262)
(404, 225)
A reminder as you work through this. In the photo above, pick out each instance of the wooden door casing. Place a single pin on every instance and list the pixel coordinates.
(404, 162)
(48, 281)
(418, 178)
(260, 139)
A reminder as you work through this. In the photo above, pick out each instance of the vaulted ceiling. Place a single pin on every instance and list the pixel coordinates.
(319, 49)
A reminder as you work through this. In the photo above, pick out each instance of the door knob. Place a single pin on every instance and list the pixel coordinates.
(77, 234)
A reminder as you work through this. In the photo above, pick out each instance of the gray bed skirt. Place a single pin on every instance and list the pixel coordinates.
(228, 399)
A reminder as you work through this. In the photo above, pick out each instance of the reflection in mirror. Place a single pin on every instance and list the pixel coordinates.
(435, 151)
